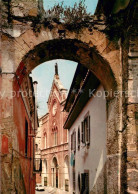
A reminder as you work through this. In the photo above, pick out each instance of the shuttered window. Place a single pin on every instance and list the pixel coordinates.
(82, 132)
(78, 138)
(85, 130)
(73, 141)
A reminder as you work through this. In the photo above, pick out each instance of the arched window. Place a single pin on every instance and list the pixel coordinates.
(45, 141)
(55, 138)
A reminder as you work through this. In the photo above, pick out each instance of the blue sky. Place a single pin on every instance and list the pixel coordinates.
(90, 4)
(44, 74)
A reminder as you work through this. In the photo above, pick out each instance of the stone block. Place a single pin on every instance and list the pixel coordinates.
(133, 180)
(132, 147)
(33, 12)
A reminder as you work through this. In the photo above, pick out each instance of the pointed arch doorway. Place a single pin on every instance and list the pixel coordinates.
(55, 176)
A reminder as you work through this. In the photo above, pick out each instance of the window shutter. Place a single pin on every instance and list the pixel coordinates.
(78, 138)
(71, 141)
(82, 133)
(86, 129)
(74, 141)
(89, 129)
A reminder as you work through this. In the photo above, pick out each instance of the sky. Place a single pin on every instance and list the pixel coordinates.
(90, 4)
(44, 73)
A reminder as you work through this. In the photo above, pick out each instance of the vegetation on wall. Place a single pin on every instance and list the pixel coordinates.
(72, 17)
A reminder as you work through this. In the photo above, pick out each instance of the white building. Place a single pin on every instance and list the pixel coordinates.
(87, 133)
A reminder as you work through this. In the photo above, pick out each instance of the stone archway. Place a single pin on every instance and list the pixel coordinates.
(88, 55)
(100, 64)
(75, 50)
(92, 49)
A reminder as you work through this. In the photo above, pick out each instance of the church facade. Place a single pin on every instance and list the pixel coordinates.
(54, 139)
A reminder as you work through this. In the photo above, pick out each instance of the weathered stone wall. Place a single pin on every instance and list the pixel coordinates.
(132, 110)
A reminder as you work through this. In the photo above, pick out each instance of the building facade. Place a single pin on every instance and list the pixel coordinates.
(38, 152)
(54, 146)
(87, 133)
(22, 152)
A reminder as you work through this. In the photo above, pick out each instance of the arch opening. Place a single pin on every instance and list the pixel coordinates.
(44, 172)
(55, 173)
(73, 50)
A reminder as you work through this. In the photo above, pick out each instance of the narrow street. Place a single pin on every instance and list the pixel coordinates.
(43, 192)
(47, 191)
(50, 190)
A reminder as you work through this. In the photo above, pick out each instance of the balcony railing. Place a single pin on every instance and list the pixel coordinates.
(37, 165)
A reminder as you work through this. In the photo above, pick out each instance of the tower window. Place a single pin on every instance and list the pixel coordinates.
(55, 138)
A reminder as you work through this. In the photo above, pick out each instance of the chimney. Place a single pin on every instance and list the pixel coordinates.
(35, 90)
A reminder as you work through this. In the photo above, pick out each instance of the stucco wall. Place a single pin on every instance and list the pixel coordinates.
(93, 158)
